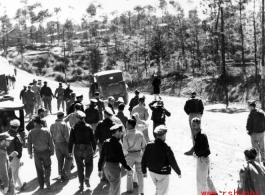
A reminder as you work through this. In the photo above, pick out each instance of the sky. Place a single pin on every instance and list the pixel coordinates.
(74, 9)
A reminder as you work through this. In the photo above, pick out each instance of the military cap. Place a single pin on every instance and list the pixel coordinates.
(41, 110)
(29, 86)
(142, 97)
(111, 98)
(72, 94)
(15, 123)
(196, 119)
(25, 86)
(160, 103)
(120, 99)
(251, 103)
(116, 127)
(37, 119)
(193, 92)
(121, 106)
(80, 114)
(108, 111)
(5, 136)
(79, 96)
(60, 114)
(160, 130)
(97, 93)
(136, 91)
(45, 82)
(93, 100)
(39, 80)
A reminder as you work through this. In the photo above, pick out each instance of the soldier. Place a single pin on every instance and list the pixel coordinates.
(59, 95)
(40, 139)
(102, 131)
(92, 114)
(133, 146)
(193, 108)
(202, 152)
(71, 101)
(159, 114)
(67, 95)
(72, 118)
(79, 100)
(15, 71)
(134, 101)
(5, 169)
(112, 155)
(42, 112)
(100, 105)
(82, 136)
(22, 92)
(46, 95)
(29, 101)
(121, 115)
(156, 85)
(15, 147)
(160, 168)
(39, 84)
(36, 90)
(255, 128)
(60, 135)
(13, 79)
(111, 100)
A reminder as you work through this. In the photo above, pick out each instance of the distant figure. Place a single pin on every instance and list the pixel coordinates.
(194, 108)
(13, 79)
(121, 115)
(46, 95)
(15, 71)
(100, 104)
(156, 85)
(92, 114)
(42, 112)
(71, 101)
(111, 100)
(256, 128)
(59, 94)
(134, 101)
(67, 95)
(21, 96)
(29, 101)
(36, 90)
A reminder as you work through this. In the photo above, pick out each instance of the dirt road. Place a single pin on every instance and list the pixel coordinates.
(226, 134)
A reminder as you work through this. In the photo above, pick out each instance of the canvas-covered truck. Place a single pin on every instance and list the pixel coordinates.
(109, 83)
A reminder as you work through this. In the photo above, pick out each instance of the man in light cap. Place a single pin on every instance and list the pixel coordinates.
(202, 153)
(103, 132)
(159, 114)
(112, 156)
(100, 104)
(194, 108)
(60, 135)
(156, 86)
(6, 178)
(79, 99)
(14, 150)
(40, 139)
(82, 136)
(46, 95)
(111, 100)
(71, 101)
(36, 90)
(159, 169)
(92, 114)
(59, 95)
(29, 99)
(134, 101)
(67, 95)
(255, 128)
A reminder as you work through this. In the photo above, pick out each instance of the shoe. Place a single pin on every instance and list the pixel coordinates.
(41, 188)
(142, 194)
(135, 184)
(81, 187)
(48, 185)
(64, 177)
(87, 183)
(190, 152)
(23, 187)
(129, 192)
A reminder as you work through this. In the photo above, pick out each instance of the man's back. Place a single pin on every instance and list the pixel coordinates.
(92, 115)
(142, 111)
(133, 140)
(103, 131)
(46, 91)
(36, 89)
(40, 138)
(194, 105)
(256, 121)
(29, 96)
(122, 117)
(134, 102)
(59, 131)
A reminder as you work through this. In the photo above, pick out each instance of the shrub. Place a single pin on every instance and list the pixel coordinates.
(59, 78)
(77, 71)
(59, 67)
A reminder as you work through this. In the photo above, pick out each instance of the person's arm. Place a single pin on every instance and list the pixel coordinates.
(249, 124)
(143, 144)
(30, 125)
(146, 114)
(92, 139)
(125, 144)
(30, 143)
(151, 105)
(167, 113)
(71, 140)
(50, 143)
(97, 132)
(18, 147)
(102, 156)
(41, 92)
(4, 170)
(172, 161)
(204, 146)
(121, 157)
(51, 92)
(55, 93)
(21, 95)
(67, 118)
(66, 133)
(143, 163)
(186, 108)
(201, 107)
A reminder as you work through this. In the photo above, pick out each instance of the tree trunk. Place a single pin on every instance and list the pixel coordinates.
(216, 57)
(262, 57)
(255, 45)
(242, 39)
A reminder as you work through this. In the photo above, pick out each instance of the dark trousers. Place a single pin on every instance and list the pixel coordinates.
(155, 124)
(113, 174)
(62, 154)
(43, 166)
(83, 156)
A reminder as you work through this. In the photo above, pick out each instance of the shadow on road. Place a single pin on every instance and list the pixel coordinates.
(101, 189)
(31, 186)
(228, 110)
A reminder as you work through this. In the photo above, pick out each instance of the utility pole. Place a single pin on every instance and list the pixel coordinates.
(64, 60)
(262, 57)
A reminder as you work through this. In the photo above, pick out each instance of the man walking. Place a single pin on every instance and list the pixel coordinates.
(70, 102)
(121, 115)
(159, 169)
(40, 140)
(256, 128)
(79, 100)
(22, 92)
(59, 94)
(29, 101)
(72, 118)
(41, 113)
(134, 101)
(15, 147)
(60, 135)
(133, 146)
(46, 95)
(159, 114)
(156, 86)
(92, 114)
(100, 104)
(36, 90)
(67, 95)
(13, 79)
(194, 108)
(82, 136)
(111, 100)
(5, 168)
(202, 152)
(112, 156)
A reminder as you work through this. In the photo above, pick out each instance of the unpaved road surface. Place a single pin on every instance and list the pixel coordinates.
(226, 134)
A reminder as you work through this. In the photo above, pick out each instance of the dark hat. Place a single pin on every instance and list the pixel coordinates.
(25, 86)
(60, 114)
(72, 94)
(29, 86)
(5, 136)
(80, 114)
(78, 105)
(39, 80)
(193, 92)
(142, 97)
(160, 130)
(97, 93)
(111, 98)
(121, 106)
(108, 111)
(160, 103)
(93, 100)
(45, 82)
(41, 110)
(116, 127)
(251, 153)
(15, 123)
(136, 91)
(79, 96)
(251, 103)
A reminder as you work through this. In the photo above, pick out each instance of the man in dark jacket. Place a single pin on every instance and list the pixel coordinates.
(21, 96)
(194, 108)
(67, 95)
(134, 101)
(121, 115)
(79, 100)
(256, 128)
(46, 95)
(100, 104)
(111, 100)
(41, 113)
(83, 138)
(29, 99)
(159, 114)
(92, 114)
(156, 85)
(160, 168)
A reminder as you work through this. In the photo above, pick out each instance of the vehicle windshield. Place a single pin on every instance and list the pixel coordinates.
(110, 78)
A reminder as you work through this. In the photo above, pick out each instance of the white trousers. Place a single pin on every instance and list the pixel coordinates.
(161, 182)
(15, 166)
